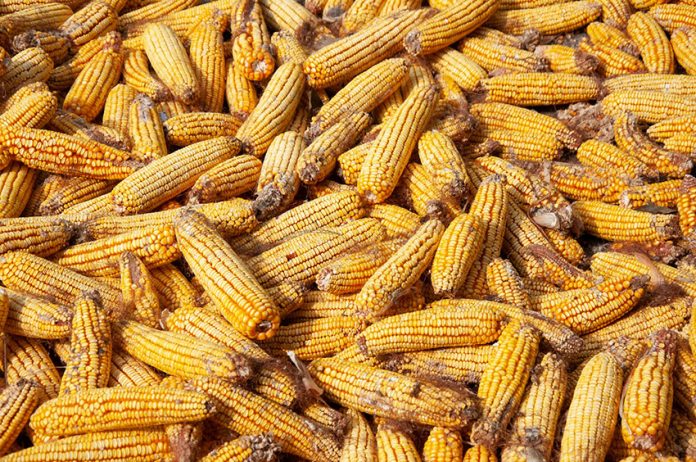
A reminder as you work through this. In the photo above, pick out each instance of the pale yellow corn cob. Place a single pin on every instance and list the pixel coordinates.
(683, 43)
(136, 74)
(491, 56)
(208, 61)
(145, 129)
(654, 46)
(567, 60)
(226, 180)
(27, 359)
(138, 290)
(534, 89)
(549, 19)
(168, 58)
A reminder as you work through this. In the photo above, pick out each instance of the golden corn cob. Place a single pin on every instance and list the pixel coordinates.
(397, 221)
(288, 47)
(401, 270)
(27, 66)
(319, 304)
(612, 62)
(438, 327)
(235, 291)
(34, 317)
(685, 378)
(491, 56)
(89, 362)
(683, 42)
(395, 443)
(16, 183)
(32, 111)
(330, 210)
(246, 413)
(674, 16)
(504, 380)
(136, 74)
(26, 359)
(341, 60)
(505, 284)
(251, 46)
(274, 111)
(318, 160)
(686, 206)
(587, 435)
(168, 58)
(349, 273)
(117, 446)
(566, 245)
(139, 295)
(647, 408)
(31, 274)
(458, 67)
(208, 61)
(17, 402)
(185, 356)
(524, 146)
(549, 19)
(71, 124)
(661, 87)
(534, 89)
(362, 387)
(637, 325)
(654, 46)
(439, 154)
(363, 93)
(681, 143)
(581, 183)
(278, 180)
(416, 191)
(360, 444)
(462, 364)
(616, 13)
(648, 106)
(534, 427)
(544, 263)
(388, 7)
(247, 447)
(390, 153)
(613, 35)
(567, 60)
(62, 76)
(174, 290)
(92, 208)
(43, 188)
(94, 19)
(194, 127)
(43, 16)
(226, 180)
(155, 245)
(360, 13)
(521, 232)
(145, 129)
(271, 380)
(443, 445)
(479, 453)
(599, 154)
(102, 409)
(229, 217)
(314, 338)
(662, 194)
(448, 26)
(170, 175)
(39, 149)
(88, 94)
(351, 161)
(616, 223)
(76, 191)
(239, 92)
(152, 11)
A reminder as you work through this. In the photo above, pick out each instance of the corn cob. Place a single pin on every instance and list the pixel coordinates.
(278, 181)
(318, 160)
(319, 304)
(136, 74)
(360, 444)
(616, 223)
(193, 127)
(567, 60)
(685, 378)
(274, 111)
(395, 444)
(637, 325)
(27, 66)
(683, 43)
(682, 433)
(360, 13)
(534, 427)
(145, 129)
(28, 273)
(389, 156)
(388, 7)
(521, 232)
(612, 62)
(89, 362)
(439, 327)
(127, 371)
(42, 17)
(566, 245)
(548, 20)
(32, 111)
(168, 57)
(479, 453)
(686, 206)
(17, 402)
(458, 67)
(397, 221)
(674, 16)
(229, 217)
(362, 387)
(185, 356)
(341, 60)
(330, 210)
(139, 295)
(349, 273)
(439, 154)
(169, 176)
(76, 191)
(544, 263)
(36, 318)
(94, 19)
(503, 381)
(505, 284)
(654, 46)
(448, 26)
(26, 359)
(581, 183)
(648, 106)
(660, 87)
(102, 409)
(246, 413)
(613, 35)
(646, 416)
(251, 45)
(587, 435)
(491, 56)
(226, 180)
(239, 92)
(152, 11)
(533, 89)
(247, 447)
(598, 154)
(62, 76)
(416, 191)
(662, 194)
(524, 146)
(315, 338)
(174, 290)
(16, 183)
(288, 47)
(71, 124)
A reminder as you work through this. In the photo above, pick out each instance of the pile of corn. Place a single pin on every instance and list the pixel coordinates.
(347, 230)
